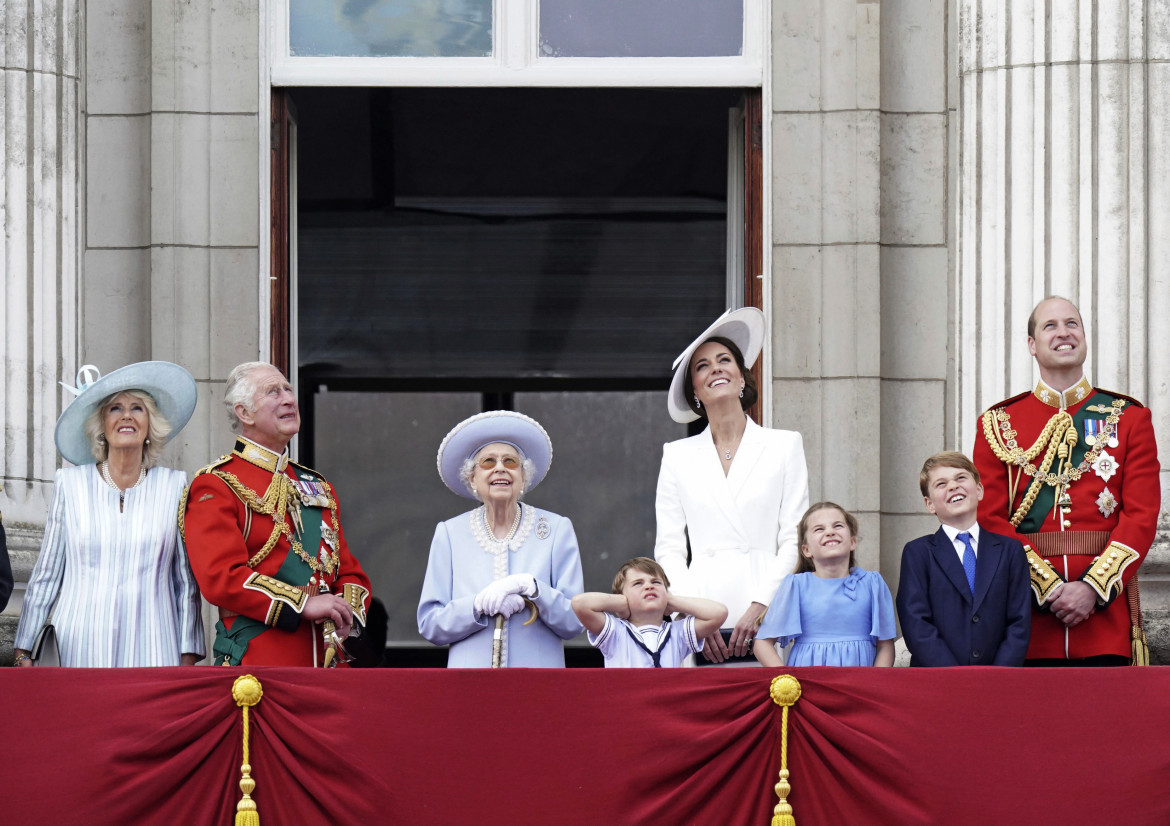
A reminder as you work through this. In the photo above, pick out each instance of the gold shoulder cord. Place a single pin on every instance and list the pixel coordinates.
(1060, 437)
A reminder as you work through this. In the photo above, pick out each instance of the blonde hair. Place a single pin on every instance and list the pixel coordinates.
(157, 428)
(803, 563)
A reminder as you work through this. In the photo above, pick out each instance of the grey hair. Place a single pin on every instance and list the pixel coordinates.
(157, 428)
(467, 470)
(241, 389)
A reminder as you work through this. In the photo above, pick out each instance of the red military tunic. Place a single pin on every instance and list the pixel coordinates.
(1091, 518)
(228, 517)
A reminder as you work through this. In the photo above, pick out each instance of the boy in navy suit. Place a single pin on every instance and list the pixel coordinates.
(963, 592)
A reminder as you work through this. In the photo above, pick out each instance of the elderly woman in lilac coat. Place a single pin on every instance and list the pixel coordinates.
(503, 559)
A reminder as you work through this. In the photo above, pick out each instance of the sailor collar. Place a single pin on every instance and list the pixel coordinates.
(260, 456)
(1055, 398)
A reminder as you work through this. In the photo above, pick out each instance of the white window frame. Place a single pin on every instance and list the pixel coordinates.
(516, 60)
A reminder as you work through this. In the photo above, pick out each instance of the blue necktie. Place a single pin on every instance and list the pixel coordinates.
(968, 560)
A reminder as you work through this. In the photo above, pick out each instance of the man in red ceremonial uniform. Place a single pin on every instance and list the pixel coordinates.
(264, 538)
(1072, 471)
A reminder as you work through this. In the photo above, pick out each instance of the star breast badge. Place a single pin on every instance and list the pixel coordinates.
(1105, 466)
(1106, 503)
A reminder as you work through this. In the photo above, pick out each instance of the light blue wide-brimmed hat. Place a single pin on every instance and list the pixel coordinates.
(744, 326)
(171, 387)
(471, 435)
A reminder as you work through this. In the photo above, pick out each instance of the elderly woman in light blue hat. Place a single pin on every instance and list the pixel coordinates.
(505, 570)
(112, 580)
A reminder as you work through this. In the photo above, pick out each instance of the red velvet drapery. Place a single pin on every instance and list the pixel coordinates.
(689, 746)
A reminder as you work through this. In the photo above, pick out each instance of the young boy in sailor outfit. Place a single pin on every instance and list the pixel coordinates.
(629, 625)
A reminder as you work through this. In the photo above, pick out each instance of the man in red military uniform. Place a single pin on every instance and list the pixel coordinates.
(1072, 471)
(264, 538)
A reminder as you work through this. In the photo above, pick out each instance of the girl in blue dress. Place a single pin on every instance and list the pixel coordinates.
(833, 612)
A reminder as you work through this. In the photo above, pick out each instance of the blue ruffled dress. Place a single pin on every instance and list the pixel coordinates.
(831, 621)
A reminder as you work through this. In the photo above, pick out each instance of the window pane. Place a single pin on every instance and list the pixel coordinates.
(525, 234)
(646, 28)
(390, 28)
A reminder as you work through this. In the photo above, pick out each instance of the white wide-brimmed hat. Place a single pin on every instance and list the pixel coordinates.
(171, 387)
(471, 435)
(744, 326)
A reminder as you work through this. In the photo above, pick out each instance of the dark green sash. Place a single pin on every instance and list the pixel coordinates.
(1033, 521)
(231, 646)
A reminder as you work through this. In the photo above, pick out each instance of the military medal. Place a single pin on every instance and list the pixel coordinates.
(329, 535)
(1106, 503)
(543, 529)
(1092, 431)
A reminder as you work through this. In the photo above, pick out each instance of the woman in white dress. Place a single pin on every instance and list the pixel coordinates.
(113, 578)
(736, 491)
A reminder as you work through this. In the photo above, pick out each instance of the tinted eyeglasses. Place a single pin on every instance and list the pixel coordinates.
(489, 462)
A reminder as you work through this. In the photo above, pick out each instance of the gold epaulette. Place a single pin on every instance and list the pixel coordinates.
(1116, 395)
(310, 470)
(224, 459)
(1104, 575)
(1005, 403)
(1043, 576)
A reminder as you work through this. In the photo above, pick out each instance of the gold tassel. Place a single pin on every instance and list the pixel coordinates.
(1139, 649)
(785, 691)
(246, 691)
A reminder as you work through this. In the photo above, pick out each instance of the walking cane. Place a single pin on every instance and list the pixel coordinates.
(498, 632)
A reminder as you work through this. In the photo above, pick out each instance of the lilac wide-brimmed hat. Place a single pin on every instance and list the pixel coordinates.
(171, 387)
(471, 435)
(744, 326)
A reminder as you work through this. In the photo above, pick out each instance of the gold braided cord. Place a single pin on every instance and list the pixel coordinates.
(784, 691)
(276, 501)
(1059, 436)
(1039, 478)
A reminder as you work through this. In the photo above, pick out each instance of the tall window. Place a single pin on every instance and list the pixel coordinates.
(546, 250)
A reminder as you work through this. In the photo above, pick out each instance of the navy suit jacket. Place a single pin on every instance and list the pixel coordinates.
(943, 624)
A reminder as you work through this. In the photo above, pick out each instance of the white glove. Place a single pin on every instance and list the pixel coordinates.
(511, 604)
(490, 599)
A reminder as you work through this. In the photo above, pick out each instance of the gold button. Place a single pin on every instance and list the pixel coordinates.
(1101, 571)
(1067, 524)
(1113, 555)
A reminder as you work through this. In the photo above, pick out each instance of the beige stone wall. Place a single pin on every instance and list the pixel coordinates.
(861, 277)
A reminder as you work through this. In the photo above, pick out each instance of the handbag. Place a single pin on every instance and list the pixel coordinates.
(44, 648)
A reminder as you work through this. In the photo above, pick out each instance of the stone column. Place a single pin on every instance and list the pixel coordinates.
(38, 257)
(1064, 187)
(825, 234)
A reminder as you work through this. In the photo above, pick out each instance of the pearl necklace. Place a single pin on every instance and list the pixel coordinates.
(109, 480)
(511, 531)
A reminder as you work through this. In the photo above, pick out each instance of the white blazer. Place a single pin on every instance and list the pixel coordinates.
(742, 526)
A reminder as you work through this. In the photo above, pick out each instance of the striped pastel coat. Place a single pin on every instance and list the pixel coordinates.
(118, 584)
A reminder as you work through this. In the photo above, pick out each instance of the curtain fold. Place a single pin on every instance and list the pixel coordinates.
(694, 746)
